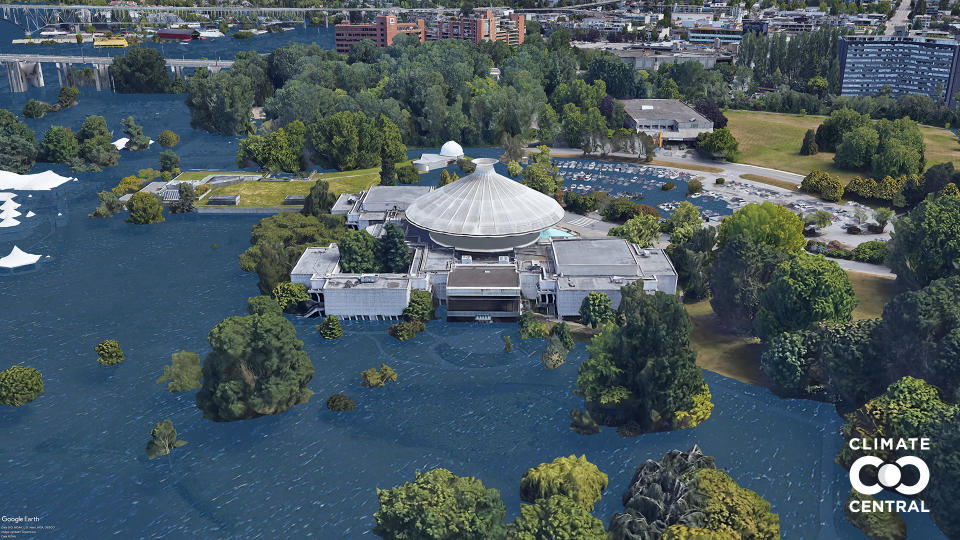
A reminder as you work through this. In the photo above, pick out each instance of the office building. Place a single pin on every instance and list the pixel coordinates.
(381, 31)
(906, 65)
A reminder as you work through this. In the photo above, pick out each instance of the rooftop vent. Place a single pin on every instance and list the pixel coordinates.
(466, 259)
(644, 253)
(504, 259)
(367, 278)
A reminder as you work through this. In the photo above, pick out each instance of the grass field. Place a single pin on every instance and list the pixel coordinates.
(770, 181)
(722, 352)
(773, 140)
(738, 356)
(270, 194)
(873, 292)
(200, 175)
(690, 166)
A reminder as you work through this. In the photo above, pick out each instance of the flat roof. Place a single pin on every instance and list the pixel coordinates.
(660, 109)
(384, 198)
(317, 261)
(595, 257)
(493, 276)
(367, 282)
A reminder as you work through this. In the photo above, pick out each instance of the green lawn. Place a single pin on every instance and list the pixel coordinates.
(271, 194)
(738, 356)
(873, 292)
(723, 352)
(773, 140)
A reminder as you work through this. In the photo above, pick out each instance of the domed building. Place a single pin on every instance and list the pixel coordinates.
(450, 152)
(484, 212)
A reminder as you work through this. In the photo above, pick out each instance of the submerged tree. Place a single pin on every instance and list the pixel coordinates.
(572, 476)
(643, 373)
(330, 328)
(440, 506)
(109, 353)
(19, 385)
(377, 377)
(184, 373)
(257, 367)
(164, 440)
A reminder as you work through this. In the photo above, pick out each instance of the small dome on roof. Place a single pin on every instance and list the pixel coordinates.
(451, 149)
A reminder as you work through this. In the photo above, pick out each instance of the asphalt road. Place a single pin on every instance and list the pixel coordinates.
(899, 17)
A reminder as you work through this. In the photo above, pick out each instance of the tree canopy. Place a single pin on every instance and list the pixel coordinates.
(804, 290)
(926, 242)
(20, 385)
(440, 506)
(764, 223)
(572, 476)
(644, 371)
(140, 71)
(145, 208)
(257, 367)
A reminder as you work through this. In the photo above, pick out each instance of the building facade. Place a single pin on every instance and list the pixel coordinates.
(711, 35)
(481, 26)
(666, 120)
(381, 31)
(869, 64)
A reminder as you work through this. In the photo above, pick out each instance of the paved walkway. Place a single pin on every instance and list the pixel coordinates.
(866, 268)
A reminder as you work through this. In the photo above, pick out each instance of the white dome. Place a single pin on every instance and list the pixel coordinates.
(451, 149)
(484, 204)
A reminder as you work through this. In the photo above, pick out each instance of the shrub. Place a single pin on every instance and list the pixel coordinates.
(242, 34)
(572, 476)
(694, 186)
(531, 327)
(377, 377)
(67, 96)
(128, 184)
(702, 407)
(720, 181)
(168, 139)
(406, 329)
(19, 385)
(420, 306)
(163, 440)
(853, 229)
(330, 328)
(873, 252)
(821, 184)
(35, 109)
(668, 186)
(289, 294)
(109, 353)
(184, 373)
(340, 402)
(507, 344)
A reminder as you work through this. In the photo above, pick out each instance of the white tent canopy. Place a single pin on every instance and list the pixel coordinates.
(8, 214)
(9, 222)
(7, 196)
(17, 258)
(9, 205)
(40, 181)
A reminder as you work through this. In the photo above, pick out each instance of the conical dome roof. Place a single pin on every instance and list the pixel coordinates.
(484, 204)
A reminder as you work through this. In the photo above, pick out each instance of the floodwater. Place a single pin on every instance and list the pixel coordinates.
(76, 456)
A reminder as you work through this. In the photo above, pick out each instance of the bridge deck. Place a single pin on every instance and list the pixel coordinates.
(101, 60)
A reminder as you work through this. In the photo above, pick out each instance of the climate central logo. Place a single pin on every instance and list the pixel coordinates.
(907, 475)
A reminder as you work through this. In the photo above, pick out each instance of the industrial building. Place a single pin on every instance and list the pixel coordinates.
(482, 246)
(668, 121)
(869, 64)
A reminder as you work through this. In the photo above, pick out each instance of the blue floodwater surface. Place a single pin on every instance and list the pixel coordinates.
(76, 456)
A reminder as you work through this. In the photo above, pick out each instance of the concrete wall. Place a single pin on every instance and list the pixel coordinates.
(371, 302)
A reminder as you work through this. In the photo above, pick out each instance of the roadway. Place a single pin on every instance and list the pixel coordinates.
(101, 60)
(899, 17)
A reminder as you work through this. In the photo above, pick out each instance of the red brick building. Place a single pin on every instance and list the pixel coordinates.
(381, 31)
(481, 26)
